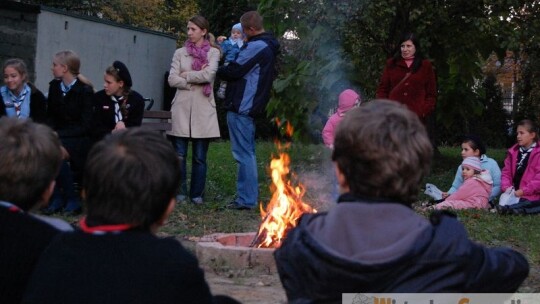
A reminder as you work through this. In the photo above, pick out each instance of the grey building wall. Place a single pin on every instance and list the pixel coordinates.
(146, 54)
(18, 34)
(35, 34)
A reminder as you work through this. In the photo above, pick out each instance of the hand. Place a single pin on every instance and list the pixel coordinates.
(183, 75)
(518, 193)
(220, 39)
(204, 66)
(445, 195)
(119, 126)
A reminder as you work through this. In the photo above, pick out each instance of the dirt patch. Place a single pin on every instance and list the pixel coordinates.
(247, 287)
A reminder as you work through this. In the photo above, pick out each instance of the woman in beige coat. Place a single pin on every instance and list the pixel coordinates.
(194, 116)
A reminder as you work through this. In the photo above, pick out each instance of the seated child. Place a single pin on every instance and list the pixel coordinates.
(130, 182)
(474, 192)
(372, 241)
(230, 49)
(30, 157)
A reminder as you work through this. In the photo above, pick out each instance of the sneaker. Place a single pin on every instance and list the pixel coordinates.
(221, 91)
(180, 198)
(197, 201)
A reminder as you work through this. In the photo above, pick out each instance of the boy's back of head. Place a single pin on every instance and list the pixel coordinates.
(130, 178)
(383, 151)
(30, 157)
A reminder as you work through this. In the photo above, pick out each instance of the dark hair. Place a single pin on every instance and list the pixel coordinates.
(418, 57)
(30, 157)
(383, 150)
(130, 178)
(475, 142)
(530, 125)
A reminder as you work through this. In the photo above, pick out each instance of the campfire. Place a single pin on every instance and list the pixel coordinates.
(286, 205)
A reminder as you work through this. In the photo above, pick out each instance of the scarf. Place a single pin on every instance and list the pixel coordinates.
(523, 156)
(200, 58)
(120, 108)
(65, 88)
(17, 105)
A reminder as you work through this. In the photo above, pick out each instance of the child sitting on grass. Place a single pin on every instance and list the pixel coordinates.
(475, 190)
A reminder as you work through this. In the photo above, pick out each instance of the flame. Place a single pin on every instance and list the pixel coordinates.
(285, 206)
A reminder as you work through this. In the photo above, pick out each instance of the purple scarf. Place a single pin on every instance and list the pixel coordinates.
(200, 58)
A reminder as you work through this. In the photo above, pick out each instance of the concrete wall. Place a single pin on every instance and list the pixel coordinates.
(18, 34)
(147, 54)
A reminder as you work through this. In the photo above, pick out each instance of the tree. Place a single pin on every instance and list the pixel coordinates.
(347, 42)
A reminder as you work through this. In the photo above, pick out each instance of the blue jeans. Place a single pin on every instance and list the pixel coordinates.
(198, 164)
(242, 133)
(64, 193)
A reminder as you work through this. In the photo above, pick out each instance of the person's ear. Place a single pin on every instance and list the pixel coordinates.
(166, 214)
(341, 179)
(46, 195)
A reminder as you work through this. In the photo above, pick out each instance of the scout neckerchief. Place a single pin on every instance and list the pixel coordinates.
(120, 108)
(65, 88)
(10, 207)
(17, 105)
(103, 229)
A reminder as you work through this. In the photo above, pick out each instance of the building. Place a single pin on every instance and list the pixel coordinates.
(35, 33)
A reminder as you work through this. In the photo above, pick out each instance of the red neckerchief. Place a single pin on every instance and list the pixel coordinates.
(103, 228)
(10, 207)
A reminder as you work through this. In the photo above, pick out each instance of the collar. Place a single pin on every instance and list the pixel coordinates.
(103, 229)
(11, 207)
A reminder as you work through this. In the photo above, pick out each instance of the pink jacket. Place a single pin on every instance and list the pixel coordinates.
(473, 193)
(330, 128)
(530, 182)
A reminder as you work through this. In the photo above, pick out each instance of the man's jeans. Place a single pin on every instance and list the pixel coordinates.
(242, 133)
(198, 164)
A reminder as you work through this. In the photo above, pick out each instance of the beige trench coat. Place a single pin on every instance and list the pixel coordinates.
(193, 114)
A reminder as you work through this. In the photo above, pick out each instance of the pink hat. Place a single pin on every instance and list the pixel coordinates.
(472, 162)
(347, 100)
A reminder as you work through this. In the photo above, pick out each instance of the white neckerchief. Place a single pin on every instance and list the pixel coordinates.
(117, 112)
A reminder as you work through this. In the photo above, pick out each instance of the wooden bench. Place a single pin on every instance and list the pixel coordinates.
(157, 120)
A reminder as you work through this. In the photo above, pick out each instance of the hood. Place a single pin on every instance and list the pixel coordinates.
(270, 40)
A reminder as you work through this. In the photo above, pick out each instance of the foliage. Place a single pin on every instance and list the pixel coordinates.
(161, 15)
(224, 14)
(313, 69)
(346, 43)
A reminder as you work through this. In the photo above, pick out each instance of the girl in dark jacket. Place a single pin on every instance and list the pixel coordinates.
(117, 106)
(69, 113)
(18, 97)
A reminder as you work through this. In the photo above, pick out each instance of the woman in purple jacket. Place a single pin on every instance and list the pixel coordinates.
(522, 168)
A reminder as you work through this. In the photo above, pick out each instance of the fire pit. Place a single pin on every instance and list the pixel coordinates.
(255, 250)
(232, 251)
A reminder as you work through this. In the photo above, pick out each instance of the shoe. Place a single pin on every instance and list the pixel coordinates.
(197, 201)
(503, 209)
(221, 91)
(180, 198)
(236, 206)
